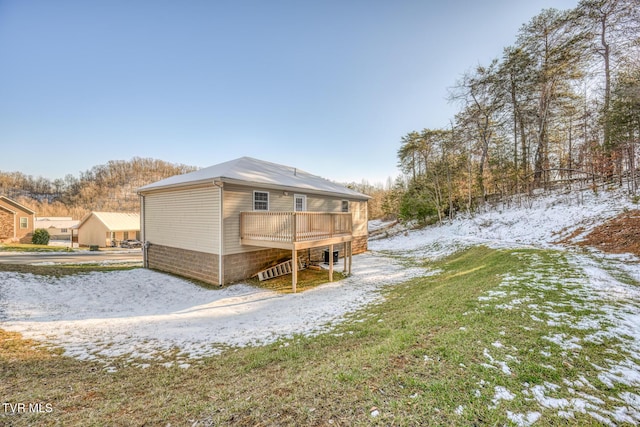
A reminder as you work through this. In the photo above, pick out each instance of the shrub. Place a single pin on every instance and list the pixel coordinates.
(40, 237)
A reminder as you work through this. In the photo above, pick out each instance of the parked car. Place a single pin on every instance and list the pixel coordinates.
(131, 243)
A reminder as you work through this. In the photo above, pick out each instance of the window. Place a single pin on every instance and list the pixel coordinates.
(64, 230)
(260, 201)
(300, 203)
(345, 206)
(126, 235)
(24, 222)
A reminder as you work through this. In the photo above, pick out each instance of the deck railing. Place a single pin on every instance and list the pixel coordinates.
(292, 227)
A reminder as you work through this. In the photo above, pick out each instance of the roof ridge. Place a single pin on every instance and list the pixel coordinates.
(257, 172)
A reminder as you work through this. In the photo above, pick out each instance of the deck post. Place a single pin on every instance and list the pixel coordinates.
(294, 269)
(344, 258)
(331, 263)
(350, 257)
(294, 252)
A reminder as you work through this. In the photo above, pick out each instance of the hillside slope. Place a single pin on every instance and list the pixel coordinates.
(607, 220)
(108, 187)
(617, 235)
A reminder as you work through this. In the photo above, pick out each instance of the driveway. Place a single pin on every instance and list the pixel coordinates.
(85, 257)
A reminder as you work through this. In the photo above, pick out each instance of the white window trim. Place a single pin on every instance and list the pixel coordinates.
(304, 202)
(348, 206)
(254, 201)
(26, 222)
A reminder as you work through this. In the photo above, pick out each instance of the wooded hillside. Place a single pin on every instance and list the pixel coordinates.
(112, 187)
(561, 106)
(108, 187)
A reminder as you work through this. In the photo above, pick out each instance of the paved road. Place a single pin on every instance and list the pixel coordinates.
(134, 255)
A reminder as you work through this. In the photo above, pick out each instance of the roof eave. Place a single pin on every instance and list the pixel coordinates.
(13, 202)
(212, 181)
(147, 189)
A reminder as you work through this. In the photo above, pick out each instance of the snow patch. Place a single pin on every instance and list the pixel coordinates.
(142, 313)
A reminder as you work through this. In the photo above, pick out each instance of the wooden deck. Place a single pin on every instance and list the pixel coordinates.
(299, 230)
(295, 230)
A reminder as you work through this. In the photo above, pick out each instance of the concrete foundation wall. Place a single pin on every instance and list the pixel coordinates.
(359, 244)
(183, 262)
(204, 266)
(243, 265)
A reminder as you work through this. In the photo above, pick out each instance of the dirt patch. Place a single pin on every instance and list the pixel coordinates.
(618, 235)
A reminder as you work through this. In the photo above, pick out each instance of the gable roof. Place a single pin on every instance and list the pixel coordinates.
(115, 221)
(247, 170)
(16, 204)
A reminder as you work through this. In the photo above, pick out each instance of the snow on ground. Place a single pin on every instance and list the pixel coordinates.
(596, 286)
(596, 298)
(592, 299)
(539, 221)
(143, 313)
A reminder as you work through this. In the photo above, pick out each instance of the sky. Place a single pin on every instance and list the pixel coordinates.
(329, 87)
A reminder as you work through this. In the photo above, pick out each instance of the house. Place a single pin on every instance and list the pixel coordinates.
(16, 221)
(58, 227)
(106, 229)
(227, 222)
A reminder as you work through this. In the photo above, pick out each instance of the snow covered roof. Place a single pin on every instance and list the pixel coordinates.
(55, 222)
(54, 218)
(247, 170)
(115, 221)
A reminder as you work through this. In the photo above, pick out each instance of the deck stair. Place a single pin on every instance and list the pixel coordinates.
(278, 270)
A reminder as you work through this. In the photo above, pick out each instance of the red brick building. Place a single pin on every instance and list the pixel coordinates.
(16, 221)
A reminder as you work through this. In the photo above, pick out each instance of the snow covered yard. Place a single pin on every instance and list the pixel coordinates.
(538, 222)
(142, 314)
(581, 308)
(584, 298)
(557, 338)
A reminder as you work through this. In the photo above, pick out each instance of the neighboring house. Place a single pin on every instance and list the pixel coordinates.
(105, 229)
(16, 221)
(227, 222)
(58, 227)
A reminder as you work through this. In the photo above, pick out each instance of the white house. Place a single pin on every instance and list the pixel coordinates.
(59, 227)
(226, 222)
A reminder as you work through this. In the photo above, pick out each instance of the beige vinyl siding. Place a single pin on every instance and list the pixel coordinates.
(358, 208)
(322, 204)
(92, 232)
(240, 199)
(185, 219)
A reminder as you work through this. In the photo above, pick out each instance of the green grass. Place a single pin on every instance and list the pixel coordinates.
(414, 359)
(307, 279)
(28, 247)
